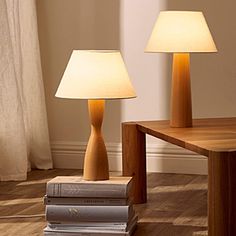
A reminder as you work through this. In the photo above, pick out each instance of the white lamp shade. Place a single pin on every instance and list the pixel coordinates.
(95, 74)
(181, 31)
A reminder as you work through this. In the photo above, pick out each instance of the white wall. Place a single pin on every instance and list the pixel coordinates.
(65, 25)
(149, 71)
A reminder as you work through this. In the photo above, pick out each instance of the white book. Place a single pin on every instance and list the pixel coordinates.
(119, 226)
(75, 186)
(89, 232)
(54, 233)
(76, 213)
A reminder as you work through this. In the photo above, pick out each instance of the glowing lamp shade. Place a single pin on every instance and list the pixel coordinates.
(181, 33)
(95, 75)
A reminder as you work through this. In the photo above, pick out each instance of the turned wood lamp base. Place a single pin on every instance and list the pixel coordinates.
(96, 160)
(181, 105)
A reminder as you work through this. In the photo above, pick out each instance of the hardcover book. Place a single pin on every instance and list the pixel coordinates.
(75, 186)
(86, 201)
(76, 213)
(116, 226)
(49, 231)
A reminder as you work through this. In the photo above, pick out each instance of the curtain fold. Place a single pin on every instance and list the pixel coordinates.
(24, 139)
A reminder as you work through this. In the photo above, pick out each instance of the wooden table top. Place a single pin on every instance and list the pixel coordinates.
(206, 135)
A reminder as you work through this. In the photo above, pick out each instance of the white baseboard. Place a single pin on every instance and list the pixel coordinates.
(161, 157)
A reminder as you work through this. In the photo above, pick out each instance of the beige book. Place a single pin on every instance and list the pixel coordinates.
(75, 186)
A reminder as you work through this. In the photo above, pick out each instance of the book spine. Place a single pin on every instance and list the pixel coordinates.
(93, 228)
(101, 225)
(54, 233)
(91, 190)
(88, 224)
(64, 213)
(86, 201)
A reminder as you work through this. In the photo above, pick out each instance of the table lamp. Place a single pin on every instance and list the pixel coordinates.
(181, 32)
(95, 75)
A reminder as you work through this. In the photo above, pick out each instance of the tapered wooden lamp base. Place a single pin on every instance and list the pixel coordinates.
(96, 161)
(181, 105)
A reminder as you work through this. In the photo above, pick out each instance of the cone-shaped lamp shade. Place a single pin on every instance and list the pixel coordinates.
(99, 74)
(181, 31)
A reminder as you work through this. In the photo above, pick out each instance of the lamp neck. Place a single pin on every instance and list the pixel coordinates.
(96, 111)
(181, 105)
(181, 60)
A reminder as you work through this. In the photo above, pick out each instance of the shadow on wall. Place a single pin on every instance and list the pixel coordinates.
(63, 26)
(149, 71)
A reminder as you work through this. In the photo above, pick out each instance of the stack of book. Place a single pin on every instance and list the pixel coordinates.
(78, 207)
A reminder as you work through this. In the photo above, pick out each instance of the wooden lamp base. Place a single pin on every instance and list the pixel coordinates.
(181, 105)
(96, 160)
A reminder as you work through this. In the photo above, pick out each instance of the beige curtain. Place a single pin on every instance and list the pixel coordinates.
(24, 140)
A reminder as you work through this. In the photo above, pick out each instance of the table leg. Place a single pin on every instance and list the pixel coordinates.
(134, 160)
(222, 194)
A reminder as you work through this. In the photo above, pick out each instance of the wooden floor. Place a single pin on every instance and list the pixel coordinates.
(177, 205)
